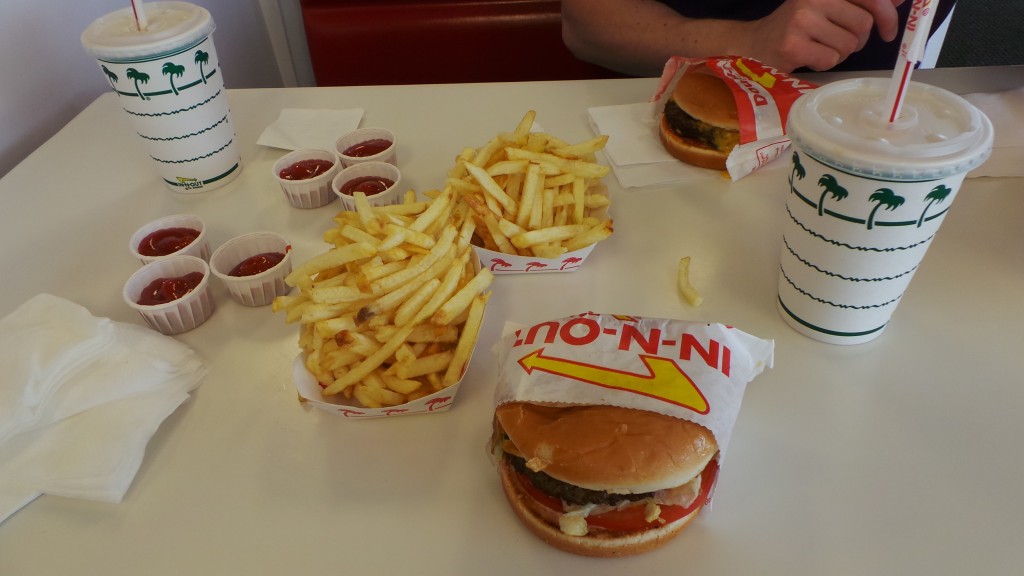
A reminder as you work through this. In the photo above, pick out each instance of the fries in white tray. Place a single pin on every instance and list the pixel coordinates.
(535, 202)
(391, 313)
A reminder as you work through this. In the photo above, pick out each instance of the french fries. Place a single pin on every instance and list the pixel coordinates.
(392, 311)
(532, 194)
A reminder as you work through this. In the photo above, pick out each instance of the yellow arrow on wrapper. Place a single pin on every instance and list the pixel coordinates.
(664, 380)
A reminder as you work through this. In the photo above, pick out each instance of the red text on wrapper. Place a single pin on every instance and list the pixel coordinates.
(663, 378)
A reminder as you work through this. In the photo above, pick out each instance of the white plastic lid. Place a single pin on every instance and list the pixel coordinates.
(171, 27)
(845, 125)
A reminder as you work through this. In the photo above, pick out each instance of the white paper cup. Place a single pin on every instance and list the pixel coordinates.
(312, 192)
(169, 82)
(179, 315)
(866, 200)
(257, 289)
(392, 195)
(199, 247)
(363, 135)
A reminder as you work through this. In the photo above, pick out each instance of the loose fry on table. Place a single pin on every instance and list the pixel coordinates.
(685, 287)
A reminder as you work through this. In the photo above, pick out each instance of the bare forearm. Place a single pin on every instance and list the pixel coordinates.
(638, 36)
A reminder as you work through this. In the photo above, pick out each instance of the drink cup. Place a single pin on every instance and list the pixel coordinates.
(168, 80)
(866, 198)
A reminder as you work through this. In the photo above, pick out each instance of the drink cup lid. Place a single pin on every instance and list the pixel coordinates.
(172, 25)
(845, 125)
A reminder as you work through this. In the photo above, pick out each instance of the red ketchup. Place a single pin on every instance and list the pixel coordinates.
(167, 241)
(163, 290)
(368, 185)
(367, 148)
(305, 169)
(255, 264)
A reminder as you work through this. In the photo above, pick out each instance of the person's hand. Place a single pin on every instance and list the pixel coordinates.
(819, 34)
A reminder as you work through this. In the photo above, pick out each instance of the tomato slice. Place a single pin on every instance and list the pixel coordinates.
(630, 519)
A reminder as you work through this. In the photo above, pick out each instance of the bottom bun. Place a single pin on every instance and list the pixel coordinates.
(690, 151)
(599, 544)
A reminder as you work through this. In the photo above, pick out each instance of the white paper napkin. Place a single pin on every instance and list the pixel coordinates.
(1006, 111)
(85, 396)
(297, 128)
(634, 152)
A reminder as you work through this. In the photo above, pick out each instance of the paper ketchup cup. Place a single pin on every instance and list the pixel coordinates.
(367, 145)
(310, 192)
(383, 178)
(181, 314)
(258, 287)
(169, 229)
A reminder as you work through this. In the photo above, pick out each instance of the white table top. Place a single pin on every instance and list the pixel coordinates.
(900, 456)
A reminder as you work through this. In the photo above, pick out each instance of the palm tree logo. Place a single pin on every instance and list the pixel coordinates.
(798, 172)
(437, 403)
(570, 261)
(938, 194)
(111, 77)
(137, 77)
(171, 69)
(202, 58)
(831, 186)
(499, 263)
(531, 265)
(884, 197)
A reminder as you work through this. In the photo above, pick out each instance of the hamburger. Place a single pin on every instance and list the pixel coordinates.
(700, 124)
(602, 480)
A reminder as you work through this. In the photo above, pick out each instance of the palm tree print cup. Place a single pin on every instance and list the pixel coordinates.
(168, 80)
(866, 200)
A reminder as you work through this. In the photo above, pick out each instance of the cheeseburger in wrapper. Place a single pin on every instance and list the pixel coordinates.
(609, 430)
(724, 113)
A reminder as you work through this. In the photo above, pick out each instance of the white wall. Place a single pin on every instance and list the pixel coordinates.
(46, 78)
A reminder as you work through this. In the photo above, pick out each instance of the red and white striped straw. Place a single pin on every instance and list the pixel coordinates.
(140, 15)
(915, 37)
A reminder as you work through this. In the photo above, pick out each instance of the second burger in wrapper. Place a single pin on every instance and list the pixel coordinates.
(726, 113)
(609, 430)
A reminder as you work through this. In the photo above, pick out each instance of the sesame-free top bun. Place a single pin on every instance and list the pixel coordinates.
(599, 544)
(607, 447)
(708, 99)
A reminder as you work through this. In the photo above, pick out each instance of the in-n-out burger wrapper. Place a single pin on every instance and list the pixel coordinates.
(688, 370)
(763, 99)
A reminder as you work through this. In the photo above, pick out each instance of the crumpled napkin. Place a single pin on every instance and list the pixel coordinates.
(638, 159)
(1006, 111)
(634, 151)
(80, 398)
(297, 128)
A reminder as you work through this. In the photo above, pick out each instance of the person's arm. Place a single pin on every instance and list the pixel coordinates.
(638, 36)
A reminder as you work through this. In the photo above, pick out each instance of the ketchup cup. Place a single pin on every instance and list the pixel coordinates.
(367, 145)
(184, 312)
(253, 252)
(311, 192)
(177, 224)
(380, 181)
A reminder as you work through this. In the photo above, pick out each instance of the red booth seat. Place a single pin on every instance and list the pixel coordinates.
(369, 42)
